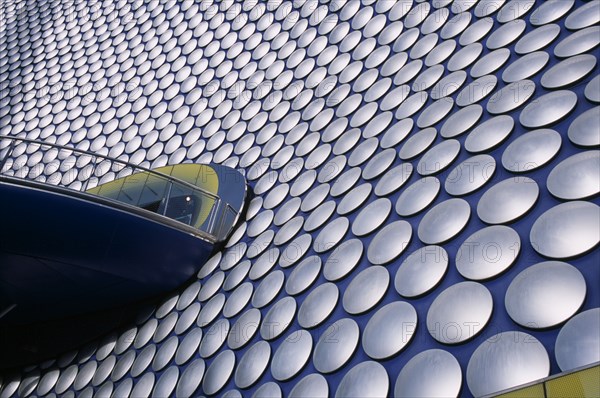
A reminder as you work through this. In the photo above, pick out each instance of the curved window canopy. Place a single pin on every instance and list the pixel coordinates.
(208, 197)
(104, 233)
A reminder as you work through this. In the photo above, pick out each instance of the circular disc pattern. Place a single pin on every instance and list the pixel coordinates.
(334, 112)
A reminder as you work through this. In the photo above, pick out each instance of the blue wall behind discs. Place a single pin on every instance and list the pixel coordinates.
(158, 12)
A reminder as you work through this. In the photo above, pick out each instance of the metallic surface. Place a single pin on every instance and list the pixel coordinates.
(310, 100)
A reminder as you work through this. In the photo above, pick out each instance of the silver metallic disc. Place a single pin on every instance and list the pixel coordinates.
(303, 275)
(211, 310)
(389, 330)
(396, 133)
(461, 121)
(444, 221)
(214, 338)
(144, 385)
(252, 364)
(336, 345)
(511, 97)
(438, 158)
(188, 347)
(343, 260)
(550, 11)
(578, 340)
(166, 383)
(394, 179)
(165, 353)
(389, 243)
(531, 150)
(278, 319)
(548, 109)
(264, 263)
(506, 34)
(592, 90)
(576, 177)
(476, 31)
(268, 390)
(569, 71)
(368, 379)
(490, 62)
(460, 21)
(537, 39)
(489, 134)
(244, 329)
(366, 290)
(268, 289)
(379, 164)
(430, 373)
(488, 252)
(465, 56)
(238, 299)
(448, 84)
(585, 129)
(477, 90)
(506, 360)
(417, 196)
(295, 250)
(579, 42)
(331, 235)
(470, 175)
(371, 217)
(291, 355)
(312, 385)
(460, 312)
(417, 143)
(545, 294)
(318, 305)
(218, 373)
(566, 230)
(583, 16)
(525, 67)
(435, 112)
(345, 182)
(508, 200)
(421, 271)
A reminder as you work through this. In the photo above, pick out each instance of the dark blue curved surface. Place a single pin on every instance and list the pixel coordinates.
(62, 255)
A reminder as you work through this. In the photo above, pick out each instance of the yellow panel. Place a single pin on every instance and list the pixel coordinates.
(585, 383)
(535, 391)
(186, 172)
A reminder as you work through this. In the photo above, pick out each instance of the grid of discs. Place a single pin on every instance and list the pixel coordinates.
(386, 141)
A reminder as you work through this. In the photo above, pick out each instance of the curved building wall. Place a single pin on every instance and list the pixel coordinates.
(426, 179)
